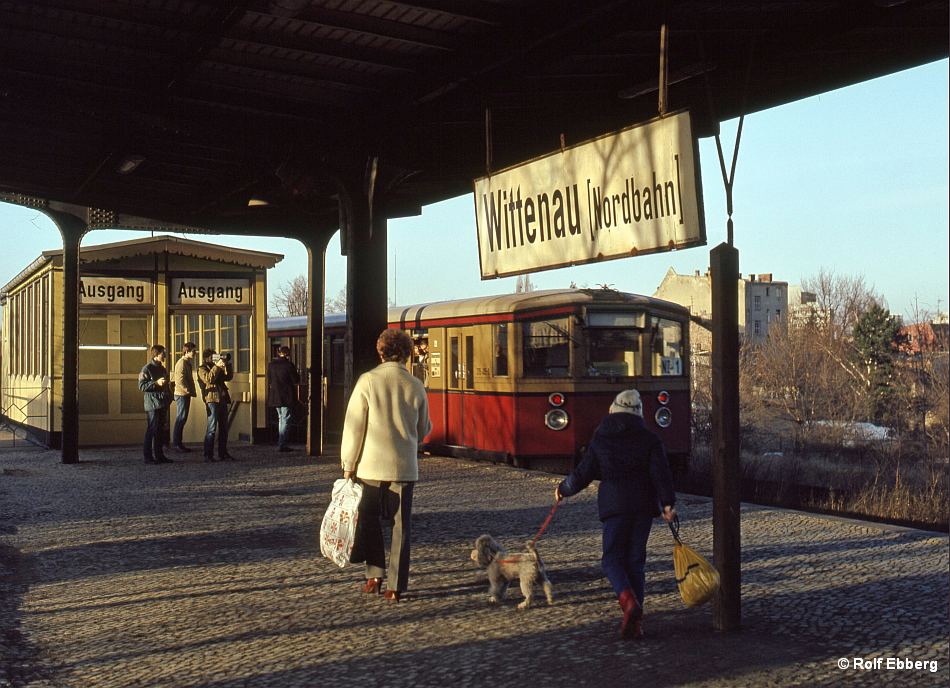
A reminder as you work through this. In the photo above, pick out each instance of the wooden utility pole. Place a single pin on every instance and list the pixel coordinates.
(724, 266)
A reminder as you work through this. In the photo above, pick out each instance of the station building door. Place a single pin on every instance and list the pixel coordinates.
(225, 333)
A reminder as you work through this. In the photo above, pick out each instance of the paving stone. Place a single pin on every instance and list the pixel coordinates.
(114, 573)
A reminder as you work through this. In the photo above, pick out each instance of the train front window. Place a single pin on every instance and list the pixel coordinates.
(546, 348)
(613, 343)
(667, 347)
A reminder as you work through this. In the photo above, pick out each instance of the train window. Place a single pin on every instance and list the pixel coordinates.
(455, 371)
(616, 318)
(500, 349)
(613, 351)
(546, 348)
(667, 347)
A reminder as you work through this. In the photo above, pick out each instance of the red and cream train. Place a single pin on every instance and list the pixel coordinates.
(526, 378)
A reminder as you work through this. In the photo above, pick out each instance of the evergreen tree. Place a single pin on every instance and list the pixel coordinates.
(876, 335)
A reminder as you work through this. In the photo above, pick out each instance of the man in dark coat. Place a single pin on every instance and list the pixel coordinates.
(282, 381)
(153, 381)
(635, 482)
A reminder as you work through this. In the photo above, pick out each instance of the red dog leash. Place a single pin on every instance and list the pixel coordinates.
(546, 523)
(537, 537)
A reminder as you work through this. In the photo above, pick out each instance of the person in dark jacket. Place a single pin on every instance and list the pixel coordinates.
(635, 482)
(213, 375)
(282, 381)
(153, 381)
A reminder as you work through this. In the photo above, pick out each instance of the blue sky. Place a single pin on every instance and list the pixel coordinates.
(854, 181)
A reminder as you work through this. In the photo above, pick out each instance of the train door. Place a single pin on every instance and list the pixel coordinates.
(459, 385)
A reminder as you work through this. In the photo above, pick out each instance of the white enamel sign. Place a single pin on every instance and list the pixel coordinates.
(198, 291)
(114, 290)
(635, 191)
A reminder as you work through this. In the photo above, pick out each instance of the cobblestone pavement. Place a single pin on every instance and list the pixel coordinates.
(115, 573)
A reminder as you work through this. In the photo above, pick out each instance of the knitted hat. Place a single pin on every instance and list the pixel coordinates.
(628, 401)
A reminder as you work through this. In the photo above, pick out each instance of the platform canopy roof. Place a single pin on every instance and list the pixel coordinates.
(186, 110)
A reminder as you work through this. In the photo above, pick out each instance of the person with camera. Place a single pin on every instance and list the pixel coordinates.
(213, 374)
(282, 381)
(153, 381)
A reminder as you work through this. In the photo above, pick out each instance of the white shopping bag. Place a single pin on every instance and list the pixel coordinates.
(338, 530)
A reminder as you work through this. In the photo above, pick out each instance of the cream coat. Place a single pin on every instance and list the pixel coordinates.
(386, 419)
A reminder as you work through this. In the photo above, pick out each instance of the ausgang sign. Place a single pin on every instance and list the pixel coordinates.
(114, 290)
(623, 194)
(195, 291)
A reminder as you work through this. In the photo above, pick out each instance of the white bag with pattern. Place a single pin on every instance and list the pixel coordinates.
(338, 530)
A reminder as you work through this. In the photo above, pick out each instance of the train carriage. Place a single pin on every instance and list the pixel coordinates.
(526, 378)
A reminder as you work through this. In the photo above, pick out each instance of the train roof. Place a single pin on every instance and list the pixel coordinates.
(494, 305)
(534, 300)
(299, 322)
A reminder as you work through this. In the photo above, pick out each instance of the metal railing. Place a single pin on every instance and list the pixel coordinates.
(12, 431)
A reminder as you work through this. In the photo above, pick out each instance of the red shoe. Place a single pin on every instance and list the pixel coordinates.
(630, 629)
(392, 596)
(373, 585)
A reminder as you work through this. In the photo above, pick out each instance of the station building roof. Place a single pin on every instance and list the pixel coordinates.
(118, 250)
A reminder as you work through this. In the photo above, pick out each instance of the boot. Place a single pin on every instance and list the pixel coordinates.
(632, 613)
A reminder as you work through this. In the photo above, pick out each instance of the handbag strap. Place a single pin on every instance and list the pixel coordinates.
(675, 529)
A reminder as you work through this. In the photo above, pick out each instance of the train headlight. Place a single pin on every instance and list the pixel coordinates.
(556, 399)
(556, 419)
(663, 397)
(664, 417)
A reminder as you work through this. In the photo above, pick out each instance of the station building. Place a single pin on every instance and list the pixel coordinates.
(133, 294)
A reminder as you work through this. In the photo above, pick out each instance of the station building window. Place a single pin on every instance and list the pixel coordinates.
(112, 350)
(223, 333)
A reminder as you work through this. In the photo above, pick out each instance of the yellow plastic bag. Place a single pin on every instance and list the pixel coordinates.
(698, 580)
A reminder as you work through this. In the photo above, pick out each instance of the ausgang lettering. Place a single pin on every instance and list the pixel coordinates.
(210, 293)
(530, 220)
(111, 292)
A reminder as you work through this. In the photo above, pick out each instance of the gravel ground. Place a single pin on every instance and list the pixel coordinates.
(115, 573)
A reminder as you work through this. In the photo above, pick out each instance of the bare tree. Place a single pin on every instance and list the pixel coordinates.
(291, 298)
(336, 304)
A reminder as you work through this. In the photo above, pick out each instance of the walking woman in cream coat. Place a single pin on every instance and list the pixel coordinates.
(386, 419)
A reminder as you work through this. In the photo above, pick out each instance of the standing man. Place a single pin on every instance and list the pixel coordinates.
(153, 381)
(213, 375)
(184, 391)
(386, 419)
(282, 381)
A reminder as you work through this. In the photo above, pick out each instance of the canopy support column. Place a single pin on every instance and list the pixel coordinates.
(316, 384)
(72, 230)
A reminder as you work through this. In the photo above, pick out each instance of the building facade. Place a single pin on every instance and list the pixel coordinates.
(160, 290)
(762, 300)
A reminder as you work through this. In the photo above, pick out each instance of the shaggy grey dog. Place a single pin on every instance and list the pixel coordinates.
(504, 568)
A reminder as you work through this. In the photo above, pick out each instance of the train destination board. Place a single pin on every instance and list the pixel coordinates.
(623, 194)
